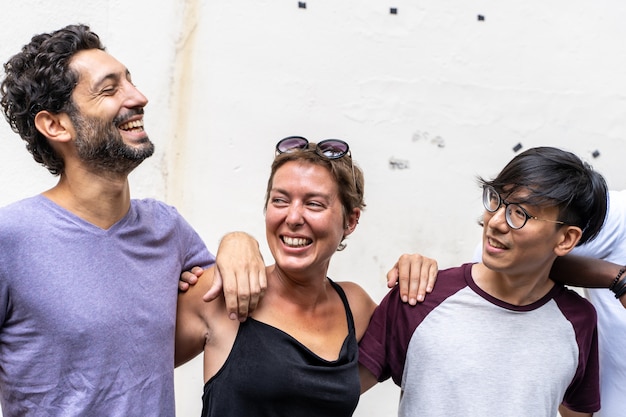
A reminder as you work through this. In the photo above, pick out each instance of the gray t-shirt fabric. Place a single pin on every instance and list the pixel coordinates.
(464, 352)
(88, 315)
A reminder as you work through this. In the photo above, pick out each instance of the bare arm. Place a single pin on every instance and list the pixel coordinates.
(416, 275)
(566, 412)
(581, 271)
(368, 380)
(191, 327)
(240, 274)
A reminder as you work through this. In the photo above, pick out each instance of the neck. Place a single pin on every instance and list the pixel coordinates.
(515, 289)
(100, 200)
(304, 292)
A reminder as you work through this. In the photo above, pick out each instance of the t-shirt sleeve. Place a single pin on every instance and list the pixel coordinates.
(382, 350)
(192, 249)
(196, 252)
(583, 394)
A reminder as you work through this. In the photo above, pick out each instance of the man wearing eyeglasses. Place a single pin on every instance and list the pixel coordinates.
(500, 337)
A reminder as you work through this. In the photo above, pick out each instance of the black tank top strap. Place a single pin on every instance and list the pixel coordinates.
(346, 305)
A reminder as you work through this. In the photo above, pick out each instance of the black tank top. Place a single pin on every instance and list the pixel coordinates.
(268, 373)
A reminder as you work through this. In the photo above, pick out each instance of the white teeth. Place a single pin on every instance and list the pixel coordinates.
(496, 244)
(295, 241)
(137, 124)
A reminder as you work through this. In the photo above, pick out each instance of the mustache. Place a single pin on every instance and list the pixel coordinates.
(127, 115)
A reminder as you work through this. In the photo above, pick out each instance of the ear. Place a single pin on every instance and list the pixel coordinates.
(352, 221)
(569, 237)
(57, 127)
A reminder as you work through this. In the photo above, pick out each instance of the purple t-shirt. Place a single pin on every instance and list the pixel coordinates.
(88, 315)
(464, 352)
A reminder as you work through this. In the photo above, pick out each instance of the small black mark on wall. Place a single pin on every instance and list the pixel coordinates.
(426, 136)
(517, 147)
(393, 10)
(398, 163)
(302, 4)
(596, 153)
(481, 18)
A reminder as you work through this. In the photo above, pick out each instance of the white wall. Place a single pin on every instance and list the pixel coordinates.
(432, 90)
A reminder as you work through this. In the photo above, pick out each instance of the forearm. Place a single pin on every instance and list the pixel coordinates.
(368, 380)
(581, 271)
(590, 273)
(566, 412)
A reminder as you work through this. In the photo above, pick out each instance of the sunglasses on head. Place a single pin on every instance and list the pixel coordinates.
(329, 148)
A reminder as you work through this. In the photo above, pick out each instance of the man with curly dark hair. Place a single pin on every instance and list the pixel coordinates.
(76, 338)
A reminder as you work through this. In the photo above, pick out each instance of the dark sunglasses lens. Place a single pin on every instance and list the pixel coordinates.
(291, 143)
(333, 148)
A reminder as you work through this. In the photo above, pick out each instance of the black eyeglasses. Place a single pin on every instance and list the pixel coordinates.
(515, 215)
(327, 148)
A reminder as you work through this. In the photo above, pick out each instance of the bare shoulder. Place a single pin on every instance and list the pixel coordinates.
(191, 304)
(361, 305)
(355, 292)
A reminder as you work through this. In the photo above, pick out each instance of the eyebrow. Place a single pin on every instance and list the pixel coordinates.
(319, 194)
(114, 76)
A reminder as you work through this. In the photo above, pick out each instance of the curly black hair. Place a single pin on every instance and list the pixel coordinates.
(39, 78)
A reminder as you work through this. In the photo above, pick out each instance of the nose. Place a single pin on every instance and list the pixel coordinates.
(134, 97)
(497, 219)
(294, 215)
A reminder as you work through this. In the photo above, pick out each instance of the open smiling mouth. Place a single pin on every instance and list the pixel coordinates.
(496, 244)
(296, 242)
(134, 126)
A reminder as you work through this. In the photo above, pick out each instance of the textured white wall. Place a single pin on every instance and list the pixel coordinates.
(428, 98)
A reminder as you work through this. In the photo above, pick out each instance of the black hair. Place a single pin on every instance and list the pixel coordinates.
(39, 78)
(557, 178)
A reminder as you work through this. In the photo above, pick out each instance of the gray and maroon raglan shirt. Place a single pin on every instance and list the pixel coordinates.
(464, 352)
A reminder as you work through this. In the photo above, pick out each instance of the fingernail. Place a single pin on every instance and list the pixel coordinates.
(404, 298)
(232, 316)
(412, 301)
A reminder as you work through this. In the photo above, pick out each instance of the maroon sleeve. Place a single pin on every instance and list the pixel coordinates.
(383, 348)
(583, 394)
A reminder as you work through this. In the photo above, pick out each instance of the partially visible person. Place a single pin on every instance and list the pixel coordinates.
(75, 338)
(610, 245)
(514, 342)
(297, 352)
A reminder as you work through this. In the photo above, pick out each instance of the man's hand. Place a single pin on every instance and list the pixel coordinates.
(416, 275)
(240, 273)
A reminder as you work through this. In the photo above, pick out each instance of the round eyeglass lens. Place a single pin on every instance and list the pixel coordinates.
(291, 143)
(333, 148)
(516, 216)
(491, 199)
